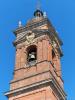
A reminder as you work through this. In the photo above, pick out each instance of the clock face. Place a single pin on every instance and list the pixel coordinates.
(30, 37)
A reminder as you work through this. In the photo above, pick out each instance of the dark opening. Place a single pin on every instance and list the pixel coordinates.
(32, 54)
(53, 54)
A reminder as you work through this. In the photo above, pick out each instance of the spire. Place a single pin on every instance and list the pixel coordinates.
(38, 5)
(38, 12)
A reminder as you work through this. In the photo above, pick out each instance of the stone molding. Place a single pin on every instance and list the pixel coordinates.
(49, 82)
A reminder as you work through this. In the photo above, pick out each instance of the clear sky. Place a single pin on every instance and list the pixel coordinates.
(62, 15)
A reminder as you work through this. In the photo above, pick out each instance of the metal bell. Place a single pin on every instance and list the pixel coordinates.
(32, 55)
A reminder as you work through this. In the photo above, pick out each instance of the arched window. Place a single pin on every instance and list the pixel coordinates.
(53, 54)
(31, 54)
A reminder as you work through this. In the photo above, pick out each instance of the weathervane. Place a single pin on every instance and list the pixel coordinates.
(38, 4)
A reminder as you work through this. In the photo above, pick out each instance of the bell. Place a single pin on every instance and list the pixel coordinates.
(32, 55)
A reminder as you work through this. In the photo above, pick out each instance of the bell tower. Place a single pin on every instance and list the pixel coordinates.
(37, 73)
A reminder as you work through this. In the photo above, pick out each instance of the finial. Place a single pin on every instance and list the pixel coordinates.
(20, 24)
(44, 14)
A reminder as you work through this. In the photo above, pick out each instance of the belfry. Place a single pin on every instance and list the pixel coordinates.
(37, 73)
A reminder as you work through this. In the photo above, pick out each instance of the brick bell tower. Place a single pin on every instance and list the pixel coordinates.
(37, 73)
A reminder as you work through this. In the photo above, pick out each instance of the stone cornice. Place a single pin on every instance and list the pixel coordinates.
(32, 26)
(49, 82)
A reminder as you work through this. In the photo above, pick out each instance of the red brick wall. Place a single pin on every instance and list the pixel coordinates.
(44, 54)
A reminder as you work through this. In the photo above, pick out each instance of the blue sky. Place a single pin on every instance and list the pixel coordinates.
(62, 15)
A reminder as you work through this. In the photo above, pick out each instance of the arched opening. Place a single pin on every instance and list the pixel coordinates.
(38, 13)
(53, 55)
(31, 54)
(54, 58)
